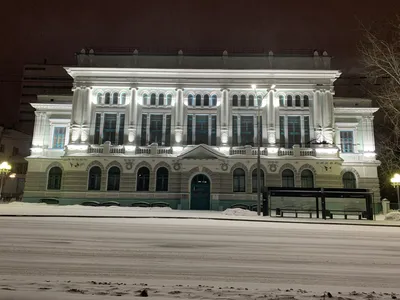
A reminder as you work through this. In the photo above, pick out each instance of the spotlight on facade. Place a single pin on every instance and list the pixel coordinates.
(253, 86)
(273, 86)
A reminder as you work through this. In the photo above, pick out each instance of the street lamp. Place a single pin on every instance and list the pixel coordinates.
(4, 170)
(395, 180)
(254, 87)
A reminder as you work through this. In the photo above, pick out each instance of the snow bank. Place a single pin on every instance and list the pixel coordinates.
(238, 212)
(393, 216)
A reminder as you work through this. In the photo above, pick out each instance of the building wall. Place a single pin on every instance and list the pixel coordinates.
(82, 125)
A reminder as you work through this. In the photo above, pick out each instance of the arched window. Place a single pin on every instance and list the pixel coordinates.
(214, 100)
(190, 100)
(99, 98)
(94, 179)
(297, 101)
(115, 98)
(251, 100)
(235, 100)
(289, 100)
(198, 100)
(206, 100)
(306, 101)
(254, 180)
(349, 181)
(239, 180)
(242, 100)
(107, 98)
(153, 99)
(169, 99)
(123, 98)
(259, 100)
(114, 174)
(162, 180)
(143, 179)
(281, 101)
(287, 178)
(307, 179)
(145, 99)
(161, 99)
(54, 181)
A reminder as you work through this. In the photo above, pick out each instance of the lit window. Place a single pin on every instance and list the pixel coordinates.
(281, 101)
(346, 141)
(190, 100)
(214, 100)
(59, 137)
(169, 99)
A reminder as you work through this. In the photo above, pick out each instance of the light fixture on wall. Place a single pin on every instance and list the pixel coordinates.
(395, 180)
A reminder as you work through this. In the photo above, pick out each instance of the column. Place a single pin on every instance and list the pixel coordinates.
(178, 118)
(164, 127)
(37, 140)
(86, 115)
(46, 130)
(327, 116)
(368, 134)
(271, 118)
(76, 116)
(226, 119)
(131, 115)
(317, 116)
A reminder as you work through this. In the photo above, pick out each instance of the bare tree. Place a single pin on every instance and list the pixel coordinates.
(380, 51)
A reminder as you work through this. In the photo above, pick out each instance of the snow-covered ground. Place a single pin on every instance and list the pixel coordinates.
(81, 258)
(23, 209)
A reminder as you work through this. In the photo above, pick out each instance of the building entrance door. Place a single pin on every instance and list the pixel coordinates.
(200, 191)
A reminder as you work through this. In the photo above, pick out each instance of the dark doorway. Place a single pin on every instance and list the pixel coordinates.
(200, 191)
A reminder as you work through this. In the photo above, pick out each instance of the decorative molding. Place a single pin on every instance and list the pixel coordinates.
(143, 164)
(129, 164)
(114, 163)
(162, 165)
(307, 167)
(54, 164)
(351, 170)
(93, 164)
(239, 165)
(287, 166)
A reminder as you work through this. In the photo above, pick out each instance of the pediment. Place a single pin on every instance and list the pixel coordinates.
(201, 152)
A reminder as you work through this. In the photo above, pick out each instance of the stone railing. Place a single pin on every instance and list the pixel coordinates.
(247, 150)
(106, 148)
(153, 149)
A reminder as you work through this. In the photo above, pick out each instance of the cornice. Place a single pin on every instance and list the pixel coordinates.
(52, 106)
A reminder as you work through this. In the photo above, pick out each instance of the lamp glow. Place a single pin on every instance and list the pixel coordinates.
(5, 166)
(273, 86)
(395, 180)
(253, 86)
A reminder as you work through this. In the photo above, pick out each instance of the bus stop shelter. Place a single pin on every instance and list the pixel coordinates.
(321, 196)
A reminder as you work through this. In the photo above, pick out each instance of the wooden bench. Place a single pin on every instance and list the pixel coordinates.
(281, 211)
(359, 213)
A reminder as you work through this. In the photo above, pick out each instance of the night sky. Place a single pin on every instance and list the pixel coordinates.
(34, 30)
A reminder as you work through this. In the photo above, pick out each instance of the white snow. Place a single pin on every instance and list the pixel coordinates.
(42, 209)
(238, 212)
(68, 258)
(393, 216)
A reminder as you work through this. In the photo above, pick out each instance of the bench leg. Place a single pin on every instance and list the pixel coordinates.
(345, 216)
(296, 214)
(310, 215)
(359, 217)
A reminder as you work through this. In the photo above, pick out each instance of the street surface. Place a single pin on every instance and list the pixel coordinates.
(197, 252)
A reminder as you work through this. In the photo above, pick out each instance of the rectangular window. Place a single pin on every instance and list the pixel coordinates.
(110, 128)
(143, 133)
(201, 133)
(213, 130)
(294, 131)
(121, 129)
(168, 130)
(190, 130)
(247, 130)
(59, 137)
(282, 141)
(346, 141)
(156, 127)
(97, 129)
(235, 131)
(307, 131)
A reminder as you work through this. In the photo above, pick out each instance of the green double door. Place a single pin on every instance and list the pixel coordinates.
(200, 193)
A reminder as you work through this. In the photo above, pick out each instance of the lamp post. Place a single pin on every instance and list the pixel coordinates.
(395, 180)
(254, 87)
(4, 170)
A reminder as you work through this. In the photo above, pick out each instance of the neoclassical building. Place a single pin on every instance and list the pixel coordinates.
(182, 130)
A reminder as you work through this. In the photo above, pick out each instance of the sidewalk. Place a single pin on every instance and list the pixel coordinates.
(18, 209)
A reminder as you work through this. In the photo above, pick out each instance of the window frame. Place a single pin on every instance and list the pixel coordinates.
(237, 179)
(58, 123)
(59, 186)
(89, 179)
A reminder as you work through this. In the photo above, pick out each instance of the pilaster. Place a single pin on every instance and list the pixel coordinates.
(178, 118)
(271, 119)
